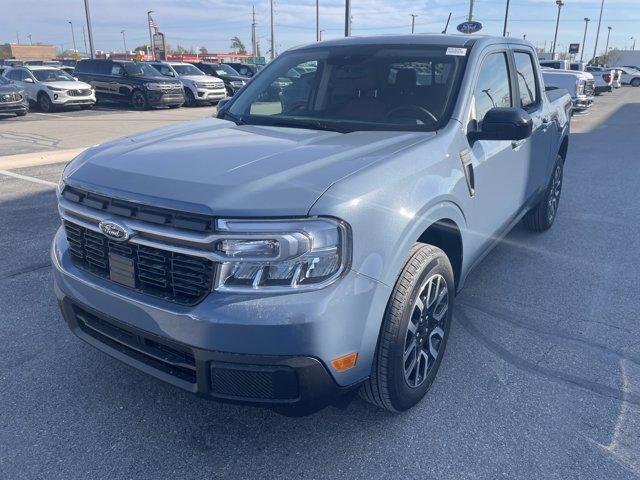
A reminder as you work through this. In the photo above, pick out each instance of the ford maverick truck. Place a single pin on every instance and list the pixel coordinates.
(301, 248)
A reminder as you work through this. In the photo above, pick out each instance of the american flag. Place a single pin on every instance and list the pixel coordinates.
(153, 24)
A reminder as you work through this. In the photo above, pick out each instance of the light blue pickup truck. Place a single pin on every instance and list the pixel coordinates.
(308, 245)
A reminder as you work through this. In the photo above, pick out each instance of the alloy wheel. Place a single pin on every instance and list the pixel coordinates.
(554, 193)
(425, 330)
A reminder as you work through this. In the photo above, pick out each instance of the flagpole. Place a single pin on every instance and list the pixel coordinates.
(153, 51)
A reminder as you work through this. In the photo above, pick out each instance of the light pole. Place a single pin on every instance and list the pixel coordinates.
(559, 3)
(31, 43)
(584, 38)
(73, 36)
(413, 22)
(470, 17)
(347, 18)
(153, 50)
(273, 40)
(84, 38)
(89, 30)
(321, 34)
(633, 47)
(317, 20)
(595, 47)
(506, 16)
(606, 48)
(124, 41)
(524, 37)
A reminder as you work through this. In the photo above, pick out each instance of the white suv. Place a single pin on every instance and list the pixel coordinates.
(51, 87)
(198, 87)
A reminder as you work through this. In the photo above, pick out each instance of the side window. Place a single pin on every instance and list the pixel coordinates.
(493, 88)
(117, 70)
(12, 75)
(527, 84)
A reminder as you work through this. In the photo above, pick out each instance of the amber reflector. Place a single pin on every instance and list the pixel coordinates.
(342, 364)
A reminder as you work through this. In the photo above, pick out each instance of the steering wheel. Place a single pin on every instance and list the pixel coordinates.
(412, 111)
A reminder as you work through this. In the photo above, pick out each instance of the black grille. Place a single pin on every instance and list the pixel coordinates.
(167, 357)
(160, 216)
(79, 93)
(175, 277)
(254, 382)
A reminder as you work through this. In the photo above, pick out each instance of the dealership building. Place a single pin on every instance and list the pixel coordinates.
(14, 51)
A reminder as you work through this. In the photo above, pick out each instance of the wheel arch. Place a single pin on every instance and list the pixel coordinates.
(445, 234)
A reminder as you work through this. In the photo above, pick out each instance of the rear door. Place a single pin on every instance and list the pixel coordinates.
(535, 150)
(498, 168)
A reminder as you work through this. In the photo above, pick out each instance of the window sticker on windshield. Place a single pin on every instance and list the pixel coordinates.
(458, 52)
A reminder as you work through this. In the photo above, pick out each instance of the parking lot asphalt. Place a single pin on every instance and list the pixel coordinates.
(73, 128)
(541, 378)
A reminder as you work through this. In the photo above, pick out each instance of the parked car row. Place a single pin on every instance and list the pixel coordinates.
(584, 82)
(141, 85)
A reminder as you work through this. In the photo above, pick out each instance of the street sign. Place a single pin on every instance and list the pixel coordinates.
(469, 27)
(256, 60)
(574, 47)
(159, 46)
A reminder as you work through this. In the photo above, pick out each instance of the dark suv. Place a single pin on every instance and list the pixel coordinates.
(233, 81)
(136, 83)
(245, 69)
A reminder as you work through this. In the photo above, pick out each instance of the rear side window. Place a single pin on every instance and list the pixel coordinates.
(116, 69)
(527, 84)
(493, 88)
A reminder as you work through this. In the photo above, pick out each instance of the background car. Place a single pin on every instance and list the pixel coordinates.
(51, 88)
(244, 69)
(233, 81)
(135, 83)
(12, 99)
(603, 78)
(198, 87)
(630, 76)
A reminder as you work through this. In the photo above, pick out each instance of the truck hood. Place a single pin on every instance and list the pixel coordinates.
(199, 78)
(216, 167)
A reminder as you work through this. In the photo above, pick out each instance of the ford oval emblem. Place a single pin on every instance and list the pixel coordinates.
(114, 231)
(469, 27)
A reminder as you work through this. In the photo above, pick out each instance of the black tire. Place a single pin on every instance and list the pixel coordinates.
(635, 82)
(389, 387)
(139, 100)
(543, 214)
(21, 114)
(44, 103)
(189, 98)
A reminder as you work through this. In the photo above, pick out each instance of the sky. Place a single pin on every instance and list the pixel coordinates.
(212, 23)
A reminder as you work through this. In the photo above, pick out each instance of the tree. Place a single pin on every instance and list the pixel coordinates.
(237, 45)
(141, 48)
(180, 50)
(203, 50)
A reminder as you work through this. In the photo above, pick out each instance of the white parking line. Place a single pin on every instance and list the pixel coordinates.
(7, 173)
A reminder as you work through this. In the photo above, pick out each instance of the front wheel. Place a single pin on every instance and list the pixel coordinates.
(139, 100)
(21, 114)
(45, 103)
(414, 331)
(635, 82)
(543, 214)
(190, 99)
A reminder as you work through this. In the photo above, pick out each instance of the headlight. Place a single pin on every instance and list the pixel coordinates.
(56, 89)
(152, 86)
(237, 83)
(282, 255)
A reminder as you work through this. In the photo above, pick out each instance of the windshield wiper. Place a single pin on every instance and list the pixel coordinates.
(234, 118)
(309, 124)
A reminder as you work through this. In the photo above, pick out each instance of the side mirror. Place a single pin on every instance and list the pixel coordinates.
(76, 79)
(501, 123)
(28, 80)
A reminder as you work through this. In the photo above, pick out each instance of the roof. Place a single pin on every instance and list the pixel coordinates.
(439, 39)
(41, 67)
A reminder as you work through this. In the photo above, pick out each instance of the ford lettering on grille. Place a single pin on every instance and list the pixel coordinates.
(114, 231)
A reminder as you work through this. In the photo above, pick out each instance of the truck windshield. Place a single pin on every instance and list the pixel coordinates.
(364, 87)
(187, 70)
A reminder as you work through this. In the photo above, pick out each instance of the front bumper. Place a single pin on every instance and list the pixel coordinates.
(244, 342)
(582, 102)
(14, 107)
(205, 95)
(63, 99)
(157, 98)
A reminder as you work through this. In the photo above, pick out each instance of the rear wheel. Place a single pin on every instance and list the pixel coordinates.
(44, 102)
(635, 82)
(414, 331)
(542, 216)
(139, 100)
